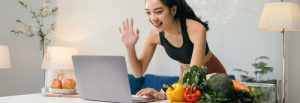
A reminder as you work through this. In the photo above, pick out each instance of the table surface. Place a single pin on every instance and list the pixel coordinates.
(39, 98)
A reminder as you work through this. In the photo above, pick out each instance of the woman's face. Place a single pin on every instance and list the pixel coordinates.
(158, 14)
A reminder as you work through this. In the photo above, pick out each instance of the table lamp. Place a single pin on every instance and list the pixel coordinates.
(280, 16)
(4, 57)
(58, 59)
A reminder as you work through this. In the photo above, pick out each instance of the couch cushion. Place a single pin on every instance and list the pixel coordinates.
(230, 76)
(135, 83)
(156, 82)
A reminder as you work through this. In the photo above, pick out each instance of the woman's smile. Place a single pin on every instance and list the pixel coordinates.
(157, 25)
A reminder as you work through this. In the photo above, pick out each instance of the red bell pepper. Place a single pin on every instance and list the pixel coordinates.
(192, 94)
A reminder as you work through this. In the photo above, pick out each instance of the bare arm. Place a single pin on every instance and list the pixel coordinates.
(129, 39)
(150, 44)
(197, 34)
(140, 65)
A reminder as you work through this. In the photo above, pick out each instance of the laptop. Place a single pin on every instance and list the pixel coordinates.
(104, 78)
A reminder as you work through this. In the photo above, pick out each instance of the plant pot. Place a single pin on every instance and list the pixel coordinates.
(263, 92)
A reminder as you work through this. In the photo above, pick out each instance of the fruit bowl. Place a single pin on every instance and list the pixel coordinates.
(62, 91)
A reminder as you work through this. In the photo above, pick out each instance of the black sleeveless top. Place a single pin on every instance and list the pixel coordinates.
(184, 53)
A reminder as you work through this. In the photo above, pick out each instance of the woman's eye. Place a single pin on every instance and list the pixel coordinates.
(158, 12)
(148, 13)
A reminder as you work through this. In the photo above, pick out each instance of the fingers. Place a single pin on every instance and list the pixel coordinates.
(159, 95)
(151, 93)
(131, 24)
(141, 92)
(126, 24)
(120, 30)
(137, 33)
(146, 92)
(123, 25)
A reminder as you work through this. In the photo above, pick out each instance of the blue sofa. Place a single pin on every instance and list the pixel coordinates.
(150, 81)
(153, 81)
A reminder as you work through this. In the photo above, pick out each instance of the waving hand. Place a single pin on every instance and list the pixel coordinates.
(128, 35)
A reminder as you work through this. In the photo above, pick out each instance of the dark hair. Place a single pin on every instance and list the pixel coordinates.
(184, 11)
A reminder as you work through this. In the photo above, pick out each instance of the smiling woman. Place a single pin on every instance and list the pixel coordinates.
(176, 28)
(91, 26)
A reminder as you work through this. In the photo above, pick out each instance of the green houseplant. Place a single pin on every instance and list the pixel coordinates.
(264, 90)
(38, 28)
(261, 68)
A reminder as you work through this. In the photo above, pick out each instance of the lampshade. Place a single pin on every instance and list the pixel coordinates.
(59, 58)
(4, 57)
(277, 16)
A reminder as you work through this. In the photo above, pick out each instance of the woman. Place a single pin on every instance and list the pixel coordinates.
(179, 31)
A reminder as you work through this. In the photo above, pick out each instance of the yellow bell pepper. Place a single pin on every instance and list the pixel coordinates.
(175, 93)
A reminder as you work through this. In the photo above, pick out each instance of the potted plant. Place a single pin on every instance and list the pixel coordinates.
(264, 90)
(38, 29)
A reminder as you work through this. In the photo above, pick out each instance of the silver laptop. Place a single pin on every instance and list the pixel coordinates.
(103, 78)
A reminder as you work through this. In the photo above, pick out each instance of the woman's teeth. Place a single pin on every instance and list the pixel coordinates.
(158, 24)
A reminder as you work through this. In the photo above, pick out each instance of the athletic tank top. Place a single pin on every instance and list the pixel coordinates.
(184, 53)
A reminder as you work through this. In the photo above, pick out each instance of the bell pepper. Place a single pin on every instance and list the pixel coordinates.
(192, 94)
(175, 92)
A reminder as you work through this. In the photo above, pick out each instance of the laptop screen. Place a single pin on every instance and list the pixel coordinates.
(102, 78)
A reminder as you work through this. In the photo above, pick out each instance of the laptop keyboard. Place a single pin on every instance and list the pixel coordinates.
(136, 99)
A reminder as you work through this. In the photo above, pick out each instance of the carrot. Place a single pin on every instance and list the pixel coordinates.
(239, 86)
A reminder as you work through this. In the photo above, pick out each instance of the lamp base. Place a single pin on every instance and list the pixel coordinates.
(282, 91)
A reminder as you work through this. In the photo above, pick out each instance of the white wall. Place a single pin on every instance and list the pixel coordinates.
(1, 17)
(293, 50)
(92, 27)
(293, 67)
(234, 37)
(25, 76)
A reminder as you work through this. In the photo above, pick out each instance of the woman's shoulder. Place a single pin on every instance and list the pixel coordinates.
(194, 28)
(153, 31)
(193, 25)
(153, 35)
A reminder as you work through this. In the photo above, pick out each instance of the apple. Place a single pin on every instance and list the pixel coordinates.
(56, 84)
(68, 83)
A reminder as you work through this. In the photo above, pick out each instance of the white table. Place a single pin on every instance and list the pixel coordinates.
(38, 98)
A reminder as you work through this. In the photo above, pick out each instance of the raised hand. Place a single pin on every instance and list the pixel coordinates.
(128, 35)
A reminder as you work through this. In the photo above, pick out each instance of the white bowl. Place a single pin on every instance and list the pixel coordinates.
(62, 91)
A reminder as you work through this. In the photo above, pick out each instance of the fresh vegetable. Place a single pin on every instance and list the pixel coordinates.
(194, 76)
(239, 86)
(215, 88)
(192, 94)
(245, 97)
(221, 85)
(193, 81)
(175, 92)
